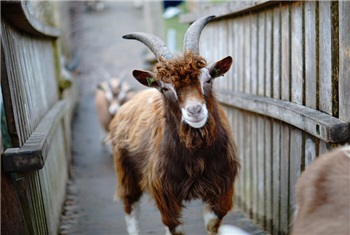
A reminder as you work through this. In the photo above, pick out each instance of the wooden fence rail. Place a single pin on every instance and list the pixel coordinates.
(35, 167)
(287, 94)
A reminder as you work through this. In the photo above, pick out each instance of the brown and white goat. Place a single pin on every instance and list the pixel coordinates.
(109, 96)
(174, 142)
(323, 195)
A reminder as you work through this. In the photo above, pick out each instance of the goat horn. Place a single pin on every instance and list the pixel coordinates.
(157, 46)
(191, 39)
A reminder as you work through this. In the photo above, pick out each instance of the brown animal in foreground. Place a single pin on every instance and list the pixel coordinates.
(174, 142)
(109, 96)
(323, 195)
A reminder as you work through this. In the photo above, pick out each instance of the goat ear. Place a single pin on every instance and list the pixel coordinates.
(220, 67)
(146, 78)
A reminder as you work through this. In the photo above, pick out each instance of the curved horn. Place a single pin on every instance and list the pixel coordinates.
(193, 33)
(157, 46)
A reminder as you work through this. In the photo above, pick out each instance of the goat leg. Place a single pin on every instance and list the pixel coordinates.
(170, 210)
(215, 210)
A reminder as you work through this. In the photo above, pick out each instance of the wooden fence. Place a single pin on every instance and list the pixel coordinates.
(287, 94)
(35, 167)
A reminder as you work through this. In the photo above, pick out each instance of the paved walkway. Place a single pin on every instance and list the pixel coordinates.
(90, 208)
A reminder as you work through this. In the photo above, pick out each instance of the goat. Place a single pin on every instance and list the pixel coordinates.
(175, 142)
(323, 195)
(109, 96)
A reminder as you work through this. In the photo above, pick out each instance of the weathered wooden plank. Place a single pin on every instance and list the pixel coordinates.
(277, 52)
(285, 50)
(344, 61)
(247, 51)
(254, 119)
(227, 9)
(290, 54)
(240, 129)
(230, 52)
(214, 38)
(254, 157)
(205, 41)
(297, 96)
(276, 152)
(261, 53)
(268, 53)
(221, 45)
(276, 125)
(209, 42)
(310, 73)
(297, 47)
(325, 57)
(323, 147)
(310, 54)
(222, 39)
(285, 167)
(19, 14)
(260, 119)
(268, 122)
(254, 54)
(236, 72)
(325, 63)
(335, 56)
(34, 210)
(22, 58)
(296, 156)
(241, 42)
(247, 163)
(314, 122)
(10, 209)
(28, 47)
(32, 155)
(261, 170)
(236, 130)
(268, 174)
(285, 131)
(53, 177)
(310, 150)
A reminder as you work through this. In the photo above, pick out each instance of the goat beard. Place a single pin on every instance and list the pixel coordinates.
(196, 138)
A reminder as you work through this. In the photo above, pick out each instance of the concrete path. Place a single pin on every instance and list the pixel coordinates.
(89, 208)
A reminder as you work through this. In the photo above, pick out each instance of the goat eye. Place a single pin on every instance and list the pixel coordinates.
(208, 81)
(164, 89)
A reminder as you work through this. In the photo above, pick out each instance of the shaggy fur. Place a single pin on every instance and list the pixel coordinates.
(158, 153)
(182, 71)
(323, 195)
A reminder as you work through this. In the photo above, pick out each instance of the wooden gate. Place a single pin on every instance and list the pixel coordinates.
(35, 168)
(287, 94)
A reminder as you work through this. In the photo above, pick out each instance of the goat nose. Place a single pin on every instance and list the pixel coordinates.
(194, 109)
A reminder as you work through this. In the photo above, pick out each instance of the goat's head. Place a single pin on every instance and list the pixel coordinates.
(114, 92)
(186, 81)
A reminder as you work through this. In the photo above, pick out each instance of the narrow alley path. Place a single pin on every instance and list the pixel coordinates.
(103, 53)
